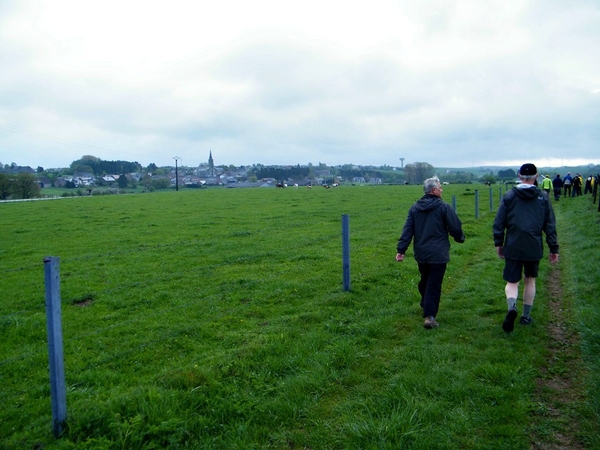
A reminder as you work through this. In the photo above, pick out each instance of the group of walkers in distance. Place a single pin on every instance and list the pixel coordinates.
(525, 212)
(569, 186)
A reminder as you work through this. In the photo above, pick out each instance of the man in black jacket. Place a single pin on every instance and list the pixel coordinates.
(524, 213)
(429, 221)
(557, 185)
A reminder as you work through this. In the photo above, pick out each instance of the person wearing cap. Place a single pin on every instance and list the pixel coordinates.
(524, 213)
(430, 220)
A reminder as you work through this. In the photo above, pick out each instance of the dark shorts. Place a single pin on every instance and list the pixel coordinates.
(513, 268)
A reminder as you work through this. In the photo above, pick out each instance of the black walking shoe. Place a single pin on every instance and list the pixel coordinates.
(430, 323)
(525, 320)
(509, 322)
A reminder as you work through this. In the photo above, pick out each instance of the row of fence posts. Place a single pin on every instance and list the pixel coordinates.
(491, 198)
(477, 201)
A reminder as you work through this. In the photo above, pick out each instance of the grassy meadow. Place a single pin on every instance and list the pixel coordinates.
(217, 319)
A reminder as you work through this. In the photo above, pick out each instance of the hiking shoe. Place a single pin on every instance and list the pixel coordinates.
(525, 320)
(509, 322)
(430, 323)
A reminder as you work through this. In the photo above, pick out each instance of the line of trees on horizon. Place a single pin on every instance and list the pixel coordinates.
(97, 166)
(19, 186)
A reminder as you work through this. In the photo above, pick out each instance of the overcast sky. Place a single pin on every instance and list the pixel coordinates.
(452, 83)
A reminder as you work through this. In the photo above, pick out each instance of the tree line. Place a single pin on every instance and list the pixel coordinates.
(282, 173)
(97, 166)
(18, 186)
(413, 173)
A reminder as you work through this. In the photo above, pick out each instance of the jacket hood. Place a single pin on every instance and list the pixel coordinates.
(531, 193)
(428, 203)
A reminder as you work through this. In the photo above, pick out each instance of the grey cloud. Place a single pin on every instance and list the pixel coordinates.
(493, 90)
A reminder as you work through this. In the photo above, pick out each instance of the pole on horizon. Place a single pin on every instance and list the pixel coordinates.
(176, 158)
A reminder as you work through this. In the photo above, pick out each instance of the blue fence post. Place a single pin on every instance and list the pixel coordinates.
(346, 251)
(499, 196)
(476, 204)
(58, 391)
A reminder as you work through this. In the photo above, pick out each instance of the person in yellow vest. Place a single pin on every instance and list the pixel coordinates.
(547, 184)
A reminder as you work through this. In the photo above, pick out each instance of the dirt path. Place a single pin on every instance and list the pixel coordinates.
(559, 388)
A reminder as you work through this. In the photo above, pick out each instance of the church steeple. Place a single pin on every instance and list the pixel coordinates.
(211, 166)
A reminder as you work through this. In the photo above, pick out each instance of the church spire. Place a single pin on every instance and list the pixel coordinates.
(211, 165)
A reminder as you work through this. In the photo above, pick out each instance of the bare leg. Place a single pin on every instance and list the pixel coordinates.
(528, 296)
(529, 291)
(512, 291)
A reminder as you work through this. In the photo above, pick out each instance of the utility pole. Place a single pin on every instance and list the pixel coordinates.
(176, 158)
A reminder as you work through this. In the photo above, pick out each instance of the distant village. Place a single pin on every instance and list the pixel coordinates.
(91, 174)
(205, 175)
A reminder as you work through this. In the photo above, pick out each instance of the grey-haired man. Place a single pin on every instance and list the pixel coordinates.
(429, 221)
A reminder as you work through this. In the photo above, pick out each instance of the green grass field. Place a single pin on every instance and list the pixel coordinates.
(217, 319)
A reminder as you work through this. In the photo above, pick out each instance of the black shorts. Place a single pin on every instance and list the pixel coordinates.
(513, 268)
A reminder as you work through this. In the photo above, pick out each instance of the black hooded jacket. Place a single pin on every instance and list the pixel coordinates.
(524, 213)
(429, 221)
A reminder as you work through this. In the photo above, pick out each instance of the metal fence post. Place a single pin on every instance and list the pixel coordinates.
(596, 188)
(491, 200)
(476, 204)
(346, 251)
(58, 391)
(594, 192)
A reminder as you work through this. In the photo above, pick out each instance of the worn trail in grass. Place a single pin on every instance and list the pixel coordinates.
(560, 390)
(566, 393)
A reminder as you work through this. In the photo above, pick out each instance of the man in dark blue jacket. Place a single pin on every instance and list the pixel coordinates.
(557, 185)
(429, 221)
(524, 213)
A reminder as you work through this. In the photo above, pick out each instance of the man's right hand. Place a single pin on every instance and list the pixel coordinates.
(500, 251)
